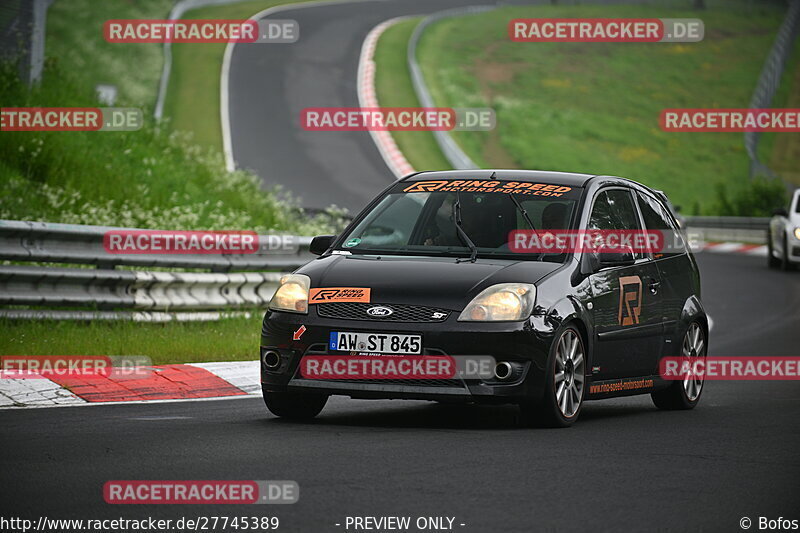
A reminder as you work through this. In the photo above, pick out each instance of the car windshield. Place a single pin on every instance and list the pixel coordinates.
(419, 218)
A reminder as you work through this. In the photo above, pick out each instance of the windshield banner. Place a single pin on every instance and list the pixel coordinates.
(488, 186)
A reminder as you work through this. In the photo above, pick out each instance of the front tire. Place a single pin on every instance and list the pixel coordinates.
(564, 385)
(786, 265)
(293, 405)
(772, 261)
(685, 393)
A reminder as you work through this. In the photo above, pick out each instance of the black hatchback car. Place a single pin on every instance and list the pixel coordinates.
(429, 269)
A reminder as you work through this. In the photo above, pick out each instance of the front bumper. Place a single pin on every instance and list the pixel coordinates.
(525, 344)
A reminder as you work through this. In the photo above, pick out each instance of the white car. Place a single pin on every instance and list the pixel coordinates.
(783, 238)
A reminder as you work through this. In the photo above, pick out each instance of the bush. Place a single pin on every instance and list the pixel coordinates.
(758, 198)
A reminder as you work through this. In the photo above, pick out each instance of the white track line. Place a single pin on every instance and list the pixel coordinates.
(178, 11)
(227, 144)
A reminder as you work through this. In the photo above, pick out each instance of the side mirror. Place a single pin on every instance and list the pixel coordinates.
(321, 243)
(616, 259)
(780, 212)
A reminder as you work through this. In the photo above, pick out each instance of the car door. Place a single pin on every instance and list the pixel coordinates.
(626, 301)
(678, 281)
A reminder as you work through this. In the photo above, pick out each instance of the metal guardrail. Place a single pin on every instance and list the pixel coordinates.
(134, 316)
(728, 229)
(769, 80)
(78, 244)
(112, 294)
(752, 223)
(454, 154)
(124, 289)
(106, 288)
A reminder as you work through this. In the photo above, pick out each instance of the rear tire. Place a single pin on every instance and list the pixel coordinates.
(772, 261)
(294, 405)
(565, 384)
(685, 393)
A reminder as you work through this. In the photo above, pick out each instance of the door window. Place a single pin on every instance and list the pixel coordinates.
(656, 219)
(614, 210)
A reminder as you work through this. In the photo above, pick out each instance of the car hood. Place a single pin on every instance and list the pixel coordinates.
(435, 282)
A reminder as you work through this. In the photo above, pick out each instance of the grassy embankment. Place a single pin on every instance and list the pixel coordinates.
(157, 177)
(594, 107)
(394, 89)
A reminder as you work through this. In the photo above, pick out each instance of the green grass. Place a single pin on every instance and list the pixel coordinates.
(192, 100)
(75, 43)
(152, 178)
(394, 89)
(232, 339)
(594, 107)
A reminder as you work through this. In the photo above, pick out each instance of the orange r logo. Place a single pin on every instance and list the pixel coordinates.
(630, 300)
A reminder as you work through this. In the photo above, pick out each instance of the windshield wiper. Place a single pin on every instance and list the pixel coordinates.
(526, 217)
(461, 233)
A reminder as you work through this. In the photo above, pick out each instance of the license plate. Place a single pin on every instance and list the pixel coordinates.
(347, 341)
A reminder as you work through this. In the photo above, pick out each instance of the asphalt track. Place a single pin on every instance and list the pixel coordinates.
(271, 84)
(623, 467)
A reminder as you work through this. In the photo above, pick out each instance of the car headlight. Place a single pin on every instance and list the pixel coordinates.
(797, 233)
(292, 295)
(501, 302)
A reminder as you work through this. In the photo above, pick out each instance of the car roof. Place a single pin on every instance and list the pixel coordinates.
(539, 176)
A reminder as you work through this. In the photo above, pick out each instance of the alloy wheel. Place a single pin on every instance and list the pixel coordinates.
(570, 373)
(693, 350)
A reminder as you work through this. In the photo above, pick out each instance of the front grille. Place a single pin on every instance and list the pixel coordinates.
(400, 313)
